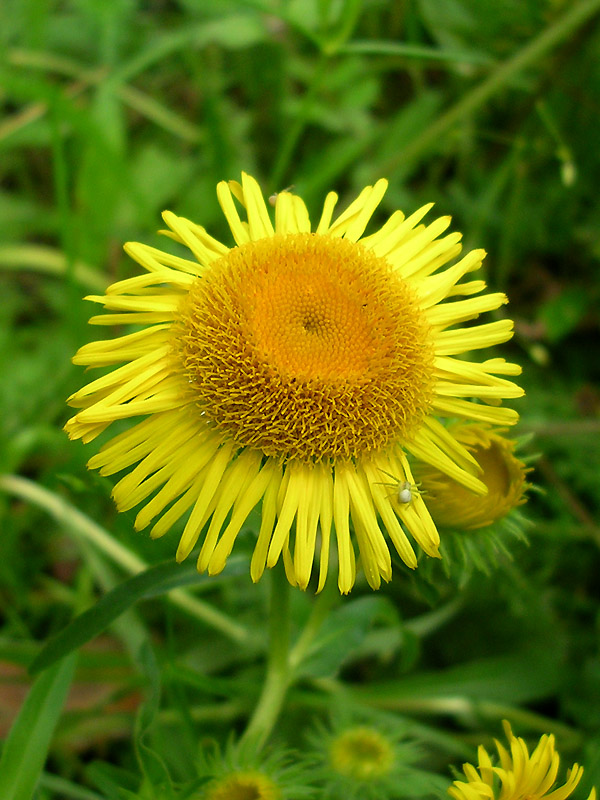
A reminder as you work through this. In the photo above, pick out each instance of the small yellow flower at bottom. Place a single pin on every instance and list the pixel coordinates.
(520, 776)
(243, 786)
(361, 753)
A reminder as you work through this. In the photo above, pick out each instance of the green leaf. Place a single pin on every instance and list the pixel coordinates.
(341, 634)
(111, 780)
(155, 581)
(27, 745)
(405, 50)
(66, 789)
(530, 674)
(562, 313)
(150, 760)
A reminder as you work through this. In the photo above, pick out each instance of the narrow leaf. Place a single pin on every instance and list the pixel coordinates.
(96, 619)
(26, 748)
(157, 580)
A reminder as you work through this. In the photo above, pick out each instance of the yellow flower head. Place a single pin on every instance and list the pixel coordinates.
(452, 505)
(294, 371)
(362, 754)
(520, 776)
(243, 786)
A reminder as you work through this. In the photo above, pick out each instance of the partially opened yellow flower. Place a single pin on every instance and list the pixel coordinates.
(295, 370)
(452, 505)
(520, 776)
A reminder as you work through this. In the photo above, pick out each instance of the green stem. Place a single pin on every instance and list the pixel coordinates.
(49, 261)
(278, 666)
(87, 529)
(320, 609)
(527, 55)
(139, 101)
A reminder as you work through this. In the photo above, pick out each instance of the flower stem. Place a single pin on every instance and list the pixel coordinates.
(278, 666)
(320, 610)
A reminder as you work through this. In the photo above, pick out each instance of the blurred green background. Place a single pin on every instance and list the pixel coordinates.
(114, 110)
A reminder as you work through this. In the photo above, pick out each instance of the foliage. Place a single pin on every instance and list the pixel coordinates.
(116, 110)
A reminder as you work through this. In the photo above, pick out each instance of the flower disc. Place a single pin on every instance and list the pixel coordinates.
(307, 347)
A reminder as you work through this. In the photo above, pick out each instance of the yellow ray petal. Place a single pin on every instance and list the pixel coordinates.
(367, 555)
(144, 435)
(122, 348)
(240, 232)
(328, 208)
(448, 407)
(356, 228)
(435, 288)
(445, 441)
(303, 559)
(181, 450)
(424, 448)
(235, 481)
(432, 257)
(339, 227)
(177, 510)
(188, 471)
(418, 243)
(210, 486)
(362, 510)
(164, 304)
(132, 318)
(288, 512)
(451, 343)
(447, 389)
(325, 520)
(245, 502)
(155, 260)
(180, 280)
(259, 221)
(377, 242)
(381, 498)
(445, 314)
(341, 510)
(285, 218)
(187, 234)
(403, 230)
(267, 524)
(129, 374)
(301, 214)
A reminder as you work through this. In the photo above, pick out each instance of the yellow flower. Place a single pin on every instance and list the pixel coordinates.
(452, 505)
(362, 754)
(243, 786)
(520, 776)
(294, 370)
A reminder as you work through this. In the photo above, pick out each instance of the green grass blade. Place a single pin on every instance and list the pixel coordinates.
(27, 745)
(50, 261)
(552, 36)
(96, 619)
(405, 50)
(86, 529)
(67, 790)
(157, 580)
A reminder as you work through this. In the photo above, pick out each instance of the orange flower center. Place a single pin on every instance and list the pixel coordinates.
(308, 347)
